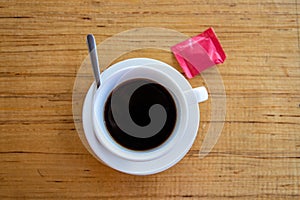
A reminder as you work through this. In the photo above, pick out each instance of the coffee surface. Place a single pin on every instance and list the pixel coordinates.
(139, 102)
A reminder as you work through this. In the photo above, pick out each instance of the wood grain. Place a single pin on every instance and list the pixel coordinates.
(42, 46)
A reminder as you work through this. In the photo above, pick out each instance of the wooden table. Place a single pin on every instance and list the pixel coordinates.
(42, 46)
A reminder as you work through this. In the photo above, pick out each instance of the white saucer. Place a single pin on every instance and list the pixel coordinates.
(147, 166)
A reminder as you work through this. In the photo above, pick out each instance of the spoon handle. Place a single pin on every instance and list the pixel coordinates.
(94, 57)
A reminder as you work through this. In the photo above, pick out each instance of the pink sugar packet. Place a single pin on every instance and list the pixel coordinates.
(199, 53)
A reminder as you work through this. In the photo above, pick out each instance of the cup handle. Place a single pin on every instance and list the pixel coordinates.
(200, 94)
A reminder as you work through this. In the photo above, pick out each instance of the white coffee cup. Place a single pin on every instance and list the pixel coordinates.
(162, 157)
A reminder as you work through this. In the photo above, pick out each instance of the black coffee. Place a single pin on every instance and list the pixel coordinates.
(139, 102)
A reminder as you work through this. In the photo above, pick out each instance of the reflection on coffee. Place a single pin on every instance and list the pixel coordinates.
(149, 93)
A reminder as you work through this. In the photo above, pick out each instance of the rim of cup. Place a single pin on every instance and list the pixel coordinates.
(104, 91)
